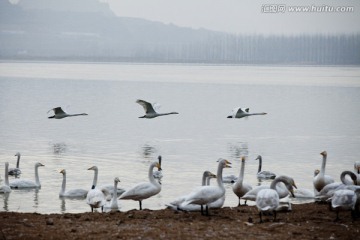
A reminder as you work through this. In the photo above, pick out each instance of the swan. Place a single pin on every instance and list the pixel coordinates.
(149, 110)
(357, 171)
(59, 113)
(280, 188)
(218, 203)
(329, 190)
(109, 188)
(240, 113)
(268, 199)
(16, 171)
(178, 204)
(158, 173)
(6, 188)
(240, 188)
(264, 174)
(143, 190)
(113, 203)
(230, 178)
(343, 200)
(207, 194)
(24, 183)
(321, 180)
(72, 193)
(96, 198)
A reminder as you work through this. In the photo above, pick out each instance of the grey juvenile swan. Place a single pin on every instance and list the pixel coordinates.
(59, 113)
(16, 171)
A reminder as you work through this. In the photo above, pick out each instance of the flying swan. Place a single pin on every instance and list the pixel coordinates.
(144, 190)
(24, 183)
(72, 193)
(59, 113)
(16, 171)
(149, 110)
(240, 113)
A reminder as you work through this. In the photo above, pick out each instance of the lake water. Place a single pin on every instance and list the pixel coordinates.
(310, 109)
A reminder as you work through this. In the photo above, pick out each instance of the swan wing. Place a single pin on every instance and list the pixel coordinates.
(148, 108)
(141, 191)
(22, 183)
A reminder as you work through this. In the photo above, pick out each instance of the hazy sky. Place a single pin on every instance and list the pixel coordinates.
(245, 16)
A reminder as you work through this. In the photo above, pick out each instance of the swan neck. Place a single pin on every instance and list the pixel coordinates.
(208, 181)
(203, 180)
(37, 180)
(95, 177)
(63, 186)
(351, 174)
(260, 164)
(323, 164)
(151, 175)
(219, 176)
(18, 161)
(114, 198)
(276, 181)
(7, 174)
(242, 170)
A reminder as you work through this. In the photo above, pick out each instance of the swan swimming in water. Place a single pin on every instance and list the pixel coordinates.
(264, 174)
(59, 113)
(24, 183)
(72, 193)
(240, 113)
(267, 200)
(321, 180)
(205, 195)
(16, 171)
(6, 188)
(109, 188)
(113, 204)
(149, 110)
(240, 188)
(179, 204)
(144, 190)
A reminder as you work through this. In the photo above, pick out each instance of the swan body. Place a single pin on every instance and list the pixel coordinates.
(158, 173)
(96, 198)
(264, 174)
(149, 110)
(205, 195)
(179, 203)
(303, 193)
(144, 190)
(240, 188)
(230, 178)
(59, 113)
(72, 193)
(343, 200)
(280, 187)
(242, 112)
(24, 183)
(113, 203)
(268, 199)
(15, 171)
(106, 188)
(6, 188)
(321, 180)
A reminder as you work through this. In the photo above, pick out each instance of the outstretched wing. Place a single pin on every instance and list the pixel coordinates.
(57, 110)
(148, 108)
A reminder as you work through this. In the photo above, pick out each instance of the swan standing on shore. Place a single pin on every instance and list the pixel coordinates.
(6, 188)
(321, 180)
(113, 203)
(72, 193)
(207, 194)
(240, 188)
(179, 204)
(16, 171)
(59, 113)
(144, 190)
(267, 200)
(344, 200)
(96, 198)
(149, 110)
(24, 183)
(240, 113)
(108, 188)
(158, 173)
(264, 174)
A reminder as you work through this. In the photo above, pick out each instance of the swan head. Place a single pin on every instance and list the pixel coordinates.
(63, 171)
(243, 158)
(316, 172)
(224, 163)
(39, 165)
(324, 153)
(159, 158)
(209, 174)
(18, 154)
(158, 166)
(258, 157)
(117, 180)
(93, 168)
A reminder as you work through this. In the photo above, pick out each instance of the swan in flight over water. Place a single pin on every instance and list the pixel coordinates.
(59, 113)
(6, 188)
(264, 174)
(149, 110)
(241, 112)
(144, 190)
(24, 183)
(16, 171)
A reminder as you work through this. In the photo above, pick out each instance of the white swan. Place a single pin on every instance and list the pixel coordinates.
(357, 171)
(264, 174)
(329, 190)
(96, 198)
(267, 200)
(144, 190)
(280, 188)
(113, 204)
(6, 188)
(109, 188)
(72, 193)
(321, 180)
(149, 110)
(158, 173)
(218, 203)
(24, 183)
(344, 200)
(16, 171)
(59, 113)
(240, 188)
(207, 194)
(240, 113)
(179, 203)
(230, 178)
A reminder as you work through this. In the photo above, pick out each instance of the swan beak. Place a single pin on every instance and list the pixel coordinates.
(324, 153)
(62, 171)
(294, 185)
(92, 168)
(41, 165)
(227, 164)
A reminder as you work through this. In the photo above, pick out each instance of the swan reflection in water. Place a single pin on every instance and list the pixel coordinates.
(59, 148)
(6, 201)
(147, 151)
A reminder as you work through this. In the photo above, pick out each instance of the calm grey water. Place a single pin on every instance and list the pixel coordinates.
(310, 109)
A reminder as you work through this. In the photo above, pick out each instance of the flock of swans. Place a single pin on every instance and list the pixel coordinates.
(341, 196)
(344, 195)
